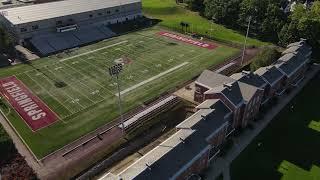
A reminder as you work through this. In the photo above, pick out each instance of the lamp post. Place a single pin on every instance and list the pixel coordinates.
(115, 71)
(245, 41)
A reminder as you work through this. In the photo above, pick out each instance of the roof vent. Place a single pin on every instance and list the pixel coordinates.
(182, 140)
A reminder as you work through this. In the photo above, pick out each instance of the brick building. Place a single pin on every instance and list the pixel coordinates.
(274, 78)
(189, 150)
(243, 99)
(225, 103)
(294, 62)
(254, 80)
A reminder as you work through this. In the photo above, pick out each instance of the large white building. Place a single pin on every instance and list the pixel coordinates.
(48, 25)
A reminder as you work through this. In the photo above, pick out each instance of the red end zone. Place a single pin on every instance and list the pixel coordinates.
(201, 44)
(33, 111)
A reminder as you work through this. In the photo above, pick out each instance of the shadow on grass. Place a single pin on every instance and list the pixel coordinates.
(291, 171)
(286, 137)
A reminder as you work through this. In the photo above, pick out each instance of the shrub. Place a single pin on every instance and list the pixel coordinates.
(265, 57)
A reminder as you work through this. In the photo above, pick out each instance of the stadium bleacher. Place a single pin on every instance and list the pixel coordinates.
(42, 46)
(55, 42)
(106, 31)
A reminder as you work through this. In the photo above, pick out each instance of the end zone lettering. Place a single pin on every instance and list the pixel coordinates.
(34, 112)
(188, 40)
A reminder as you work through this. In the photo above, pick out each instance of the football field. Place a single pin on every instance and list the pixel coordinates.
(76, 86)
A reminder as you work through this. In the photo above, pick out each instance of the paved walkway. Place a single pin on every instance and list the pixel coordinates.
(222, 164)
(19, 145)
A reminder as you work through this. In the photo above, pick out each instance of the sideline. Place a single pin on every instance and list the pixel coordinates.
(89, 52)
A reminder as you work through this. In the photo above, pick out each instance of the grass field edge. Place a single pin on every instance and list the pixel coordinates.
(18, 134)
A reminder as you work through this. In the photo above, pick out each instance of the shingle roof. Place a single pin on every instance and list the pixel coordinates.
(212, 79)
(170, 156)
(249, 78)
(304, 50)
(38, 12)
(288, 64)
(233, 93)
(270, 73)
(247, 91)
(207, 104)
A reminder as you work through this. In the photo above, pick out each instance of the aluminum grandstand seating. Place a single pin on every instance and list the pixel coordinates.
(89, 35)
(50, 43)
(42, 45)
(106, 31)
(141, 116)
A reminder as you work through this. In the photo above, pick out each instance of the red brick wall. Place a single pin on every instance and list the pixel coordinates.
(252, 108)
(196, 167)
(199, 93)
(297, 75)
(221, 97)
(218, 138)
(280, 85)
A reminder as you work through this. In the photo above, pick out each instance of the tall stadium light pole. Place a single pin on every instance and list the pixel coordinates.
(245, 41)
(115, 71)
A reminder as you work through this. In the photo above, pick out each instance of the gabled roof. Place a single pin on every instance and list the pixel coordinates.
(207, 104)
(233, 93)
(183, 147)
(249, 78)
(247, 91)
(236, 92)
(289, 63)
(270, 74)
(211, 79)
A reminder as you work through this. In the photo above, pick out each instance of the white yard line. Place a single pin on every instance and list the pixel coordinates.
(71, 98)
(79, 81)
(122, 42)
(36, 82)
(89, 79)
(152, 78)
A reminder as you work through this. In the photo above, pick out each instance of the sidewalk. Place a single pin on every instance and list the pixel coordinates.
(222, 164)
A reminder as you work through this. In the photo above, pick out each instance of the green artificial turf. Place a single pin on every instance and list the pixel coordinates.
(88, 100)
(288, 138)
(171, 15)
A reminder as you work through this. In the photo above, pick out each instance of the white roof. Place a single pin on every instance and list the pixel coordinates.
(37, 12)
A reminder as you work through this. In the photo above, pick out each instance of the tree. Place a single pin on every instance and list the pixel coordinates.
(265, 57)
(303, 23)
(195, 5)
(6, 43)
(273, 22)
(225, 12)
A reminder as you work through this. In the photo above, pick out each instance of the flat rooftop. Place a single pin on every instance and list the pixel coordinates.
(38, 12)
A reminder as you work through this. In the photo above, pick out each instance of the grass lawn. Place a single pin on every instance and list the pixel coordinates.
(290, 147)
(171, 15)
(88, 101)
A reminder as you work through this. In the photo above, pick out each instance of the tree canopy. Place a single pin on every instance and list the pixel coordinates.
(269, 21)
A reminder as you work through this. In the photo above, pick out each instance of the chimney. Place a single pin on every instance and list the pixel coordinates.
(228, 86)
(246, 73)
(148, 166)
